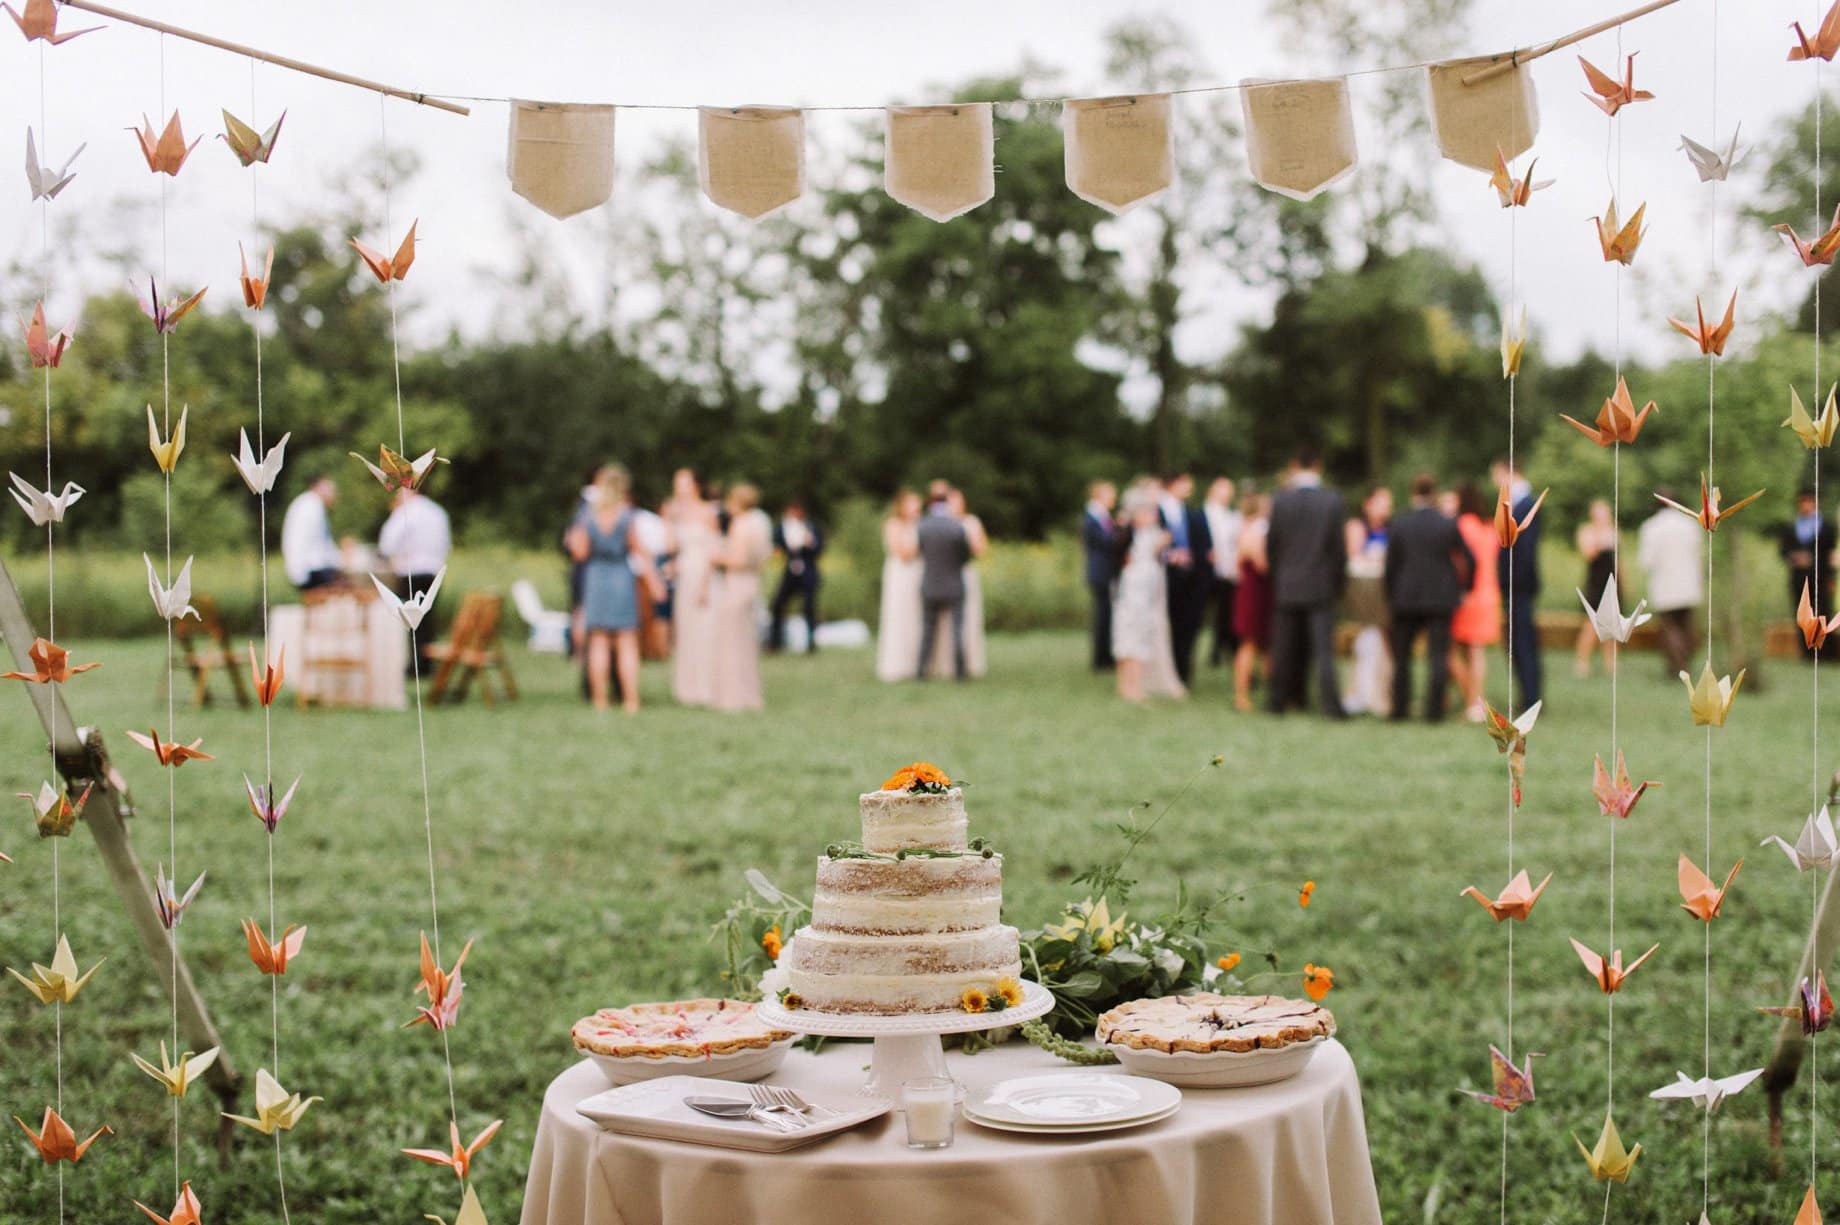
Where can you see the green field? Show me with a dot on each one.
(589, 855)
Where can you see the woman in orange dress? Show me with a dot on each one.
(1477, 623)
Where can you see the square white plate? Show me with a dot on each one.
(656, 1108)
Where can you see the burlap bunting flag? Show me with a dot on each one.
(1472, 121)
(560, 155)
(940, 159)
(1119, 150)
(1299, 134)
(751, 159)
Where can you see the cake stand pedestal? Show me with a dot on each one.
(907, 1046)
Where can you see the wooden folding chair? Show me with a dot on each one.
(204, 645)
(472, 650)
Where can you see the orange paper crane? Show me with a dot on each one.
(55, 1141)
(460, 1159)
(1823, 46)
(272, 956)
(1810, 1211)
(1515, 902)
(1610, 974)
(50, 662)
(1615, 796)
(186, 1210)
(43, 348)
(1711, 340)
(1819, 251)
(1513, 192)
(1619, 242)
(39, 20)
(1608, 94)
(1710, 514)
(165, 153)
(170, 753)
(443, 988)
(1617, 421)
(1814, 627)
(395, 267)
(268, 678)
(255, 288)
(1700, 897)
(1508, 529)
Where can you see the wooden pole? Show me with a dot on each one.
(1786, 1059)
(280, 61)
(1508, 61)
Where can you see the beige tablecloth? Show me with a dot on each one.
(1293, 1153)
(368, 631)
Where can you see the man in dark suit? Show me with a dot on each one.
(798, 539)
(1807, 545)
(1428, 569)
(1308, 555)
(1099, 535)
(1518, 573)
(944, 551)
(1189, 564)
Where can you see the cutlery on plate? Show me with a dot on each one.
(725, 1108)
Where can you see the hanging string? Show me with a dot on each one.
(1513, 378)
(1712, 259)
(1814, 877)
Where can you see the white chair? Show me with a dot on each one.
(549, 628)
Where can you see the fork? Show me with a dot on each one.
(770, 1102)
(792, 1101)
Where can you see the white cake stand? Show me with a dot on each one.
(907, 1046)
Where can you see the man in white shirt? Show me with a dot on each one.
(416, 541)
(1224, 524)
(1672, 549)
(309, 554)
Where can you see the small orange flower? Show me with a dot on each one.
(1303, 894)
(772, 942)
(974, 1000)
(920, 776)
(1010, 990)
(1317, 981)
(1228, 962)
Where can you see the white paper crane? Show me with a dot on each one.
(413, 610)
(259, 476)
(173, 603)
(1710, 163)
(1608, 619)
(1815, 846)
(47, 183)
(1708, 1091)
(41, 505)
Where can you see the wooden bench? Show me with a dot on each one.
(472, 650)
(204, 646)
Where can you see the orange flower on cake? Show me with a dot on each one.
(1318, 981)
(920, 776)
(1228, 963)
(772, 942)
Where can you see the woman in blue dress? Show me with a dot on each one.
(612, 561)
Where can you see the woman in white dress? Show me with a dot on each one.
(897, 639)
(977, 658)
(692, 521)
(1140, 608)
(736, 683)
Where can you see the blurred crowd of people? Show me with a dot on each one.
(932, 608)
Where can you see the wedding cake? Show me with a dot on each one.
(907, 920)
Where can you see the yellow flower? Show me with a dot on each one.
(772, 942)
(1303, 894)
(1228, 962)
(1010, 990)
(1086, 917)
(974, 1000)
(791, 1001)
(1317, 981)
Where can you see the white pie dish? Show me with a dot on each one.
(1218, 1069)
(753, 1063)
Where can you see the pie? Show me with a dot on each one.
(1204, 1023)
(693, 1029)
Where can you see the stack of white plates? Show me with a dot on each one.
(1068, 1103)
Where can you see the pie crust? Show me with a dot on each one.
(1205, 1022)
(687, 1029)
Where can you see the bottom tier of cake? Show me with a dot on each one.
(890, 975)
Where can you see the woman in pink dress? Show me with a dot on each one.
(736, 636)
(1477, 623)
(692, 521)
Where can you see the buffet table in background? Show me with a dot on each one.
(345, 651)
(1290, 1153)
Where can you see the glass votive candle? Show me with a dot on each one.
(930, 1104)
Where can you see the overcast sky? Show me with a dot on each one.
(831, 52)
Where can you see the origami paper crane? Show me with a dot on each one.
(1619, 242)
(166, 316)
(272, 956)
(1507, 528)
(460, 1158)
(1608, 94)
(1815, 432)
(1510, 737)
(54, 1139)
(1617, 421)
(1608, 619)
(45, 182)
(177, 1077)
(41, 505)
(472, 1214)
(1615, 796)
(172, 603)
(1814, 1007)
(1513, 1086)
(1819, 251)
(443, 988)
(165, 153)
(1608, 1160)
(166, 454)
(171, 903)
(1610, 974)
(1815, 847)
(262, 802)
(1700, 897)
(1513, 345)
(58, 982)
(1711, 341)
(43, 348)
(394, 268)
(1515, 902)
(170, 753)
(50, 663)
(249, 145)
(395, 472)
(52, 810)
(414, 609)
(268, 677)
(276, 1108)
(1710, 514)
(260, 476)
(1711, 696)
(1815, 629)
(39, 20)
(186, 1209)
(1810, 1211)
(255, 288)
(1708, 1092)
(1709, 163)
(1513, 192)
(1823, 46)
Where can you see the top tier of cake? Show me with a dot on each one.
(913, 820)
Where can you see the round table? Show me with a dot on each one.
(1291, 1153)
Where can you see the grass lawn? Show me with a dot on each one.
(589, 855)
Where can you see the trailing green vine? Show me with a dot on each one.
(1068, 1049)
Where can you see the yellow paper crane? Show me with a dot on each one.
(1815, 432)
(1513, 345)
(1619, 242)
(276, 1108)
(249, 145)
(167, 453)
(58, 981)
(1710, 698)
(1609, 1161)
(470, 1211)
(177, 1077)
